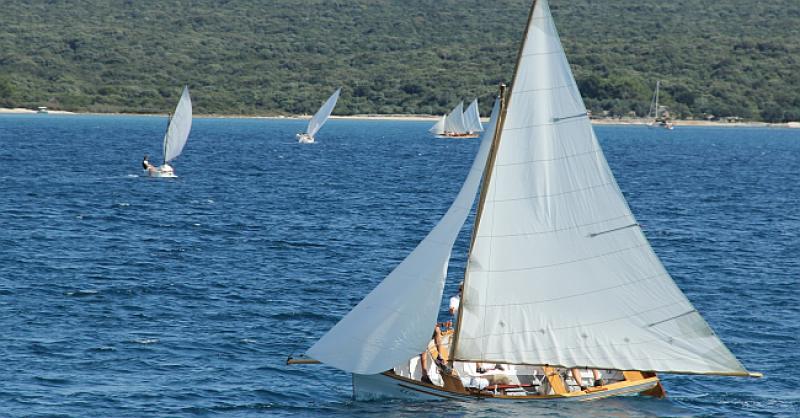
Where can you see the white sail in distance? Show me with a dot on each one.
(395, 321)
(472, 118)
(323, 114)
(560, 272)
(179, 127)
(438, 128)
(454, 122)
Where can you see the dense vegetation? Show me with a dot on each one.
(731, 58)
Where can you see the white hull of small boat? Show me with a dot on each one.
(305, 139)
(165, 171)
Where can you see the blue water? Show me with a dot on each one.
(126, 296)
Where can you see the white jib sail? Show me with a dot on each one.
(560, 272)
(454, 122)
(472, 118)
(394, 322)
(438, 128)
(179, 127)
(323, 114)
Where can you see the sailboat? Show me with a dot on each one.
(457, 123)
(180, 123)
(438, 128)
(472, 119)
(658, 113)
(319, 119)
(560, 283)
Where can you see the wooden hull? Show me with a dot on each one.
(390, 386)
(465, 136)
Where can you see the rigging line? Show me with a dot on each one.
(595, 234)
(672, 318)
(579, 115)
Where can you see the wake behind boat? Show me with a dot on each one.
(319, 119)
(178, 128)
(563, 297)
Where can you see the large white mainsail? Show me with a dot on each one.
(394, 322)
(179, 127)
(472, 118)
(560, 272)
(323, 114)
(438, 128)
(454, 122)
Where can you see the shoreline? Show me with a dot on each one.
(416, 118)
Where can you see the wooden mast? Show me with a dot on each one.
(505, 97)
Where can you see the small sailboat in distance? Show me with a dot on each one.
(563, 297)
(319, 119)
(459, 123)
(178, 127)
(659, 114)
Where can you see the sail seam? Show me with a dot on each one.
(544, 89)
(583, 189)
(578, 260)
(539, 125)
(552, 347)
(559, 229)
(590, 324)
(545, 160)
(538, 54)
(601, 290)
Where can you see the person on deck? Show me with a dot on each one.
(576, 374)
(150, 168)
(437, 337)
(455, 301)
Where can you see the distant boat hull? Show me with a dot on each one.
(464, 136)
(305, 138)
(663, 125)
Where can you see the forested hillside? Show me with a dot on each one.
(727, 58)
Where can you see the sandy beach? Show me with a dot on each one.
(424, 118)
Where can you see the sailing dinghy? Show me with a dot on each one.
(559, 278)
(319, 119)
(175, 138)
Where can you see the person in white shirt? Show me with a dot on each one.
(455, 301)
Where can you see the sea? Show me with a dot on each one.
(127, 296)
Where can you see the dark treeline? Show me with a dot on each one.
(731, 58)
